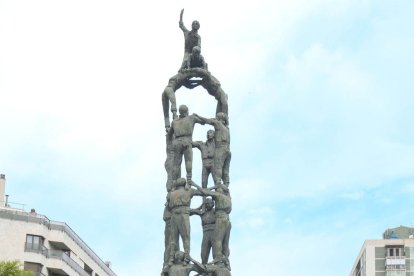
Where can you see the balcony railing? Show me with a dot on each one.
(56, 225)
(57, 254)
(395, 260)
(395, 263)
(36, 248)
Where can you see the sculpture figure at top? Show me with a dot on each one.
(192, 38)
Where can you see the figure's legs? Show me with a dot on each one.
(174, 236)
(226, 248)
(206, 246)
(168, 96)
(178, 157)
(219, 158)
(226, 170)
(219, 233)
(169, 168)
(188, 159)
(183, 227)
(171, 96)
(204, 176)
(167, 241)
(165, 106)
(184, 230)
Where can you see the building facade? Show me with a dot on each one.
(391, 256)
(44, 246)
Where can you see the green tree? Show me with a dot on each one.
(13, 268)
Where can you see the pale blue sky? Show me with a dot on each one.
(321, 110)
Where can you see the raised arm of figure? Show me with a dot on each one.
(181, 23)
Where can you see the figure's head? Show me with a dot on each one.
(183, 109)
(179, 256)
(195, 25)
(210, 134)
(196, 50)
(209, 203)
(180, 182)
(222, 117)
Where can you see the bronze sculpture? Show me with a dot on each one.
(215, 152)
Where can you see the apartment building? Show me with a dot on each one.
(391, 256)
(44, 246)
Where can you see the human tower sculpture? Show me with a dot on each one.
(215, 152)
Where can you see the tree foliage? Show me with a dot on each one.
(13, 268)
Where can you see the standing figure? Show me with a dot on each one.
(207, 154)
(169, 162)
(208, 220)
(182, 129)
(222, 199)
(192, 38)
(222, 154)
(179, 205)
(167, 236)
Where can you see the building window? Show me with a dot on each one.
(87, 268)
(35, 267)
(34, 242)
(395, 252)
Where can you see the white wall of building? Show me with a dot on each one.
(13, 237)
